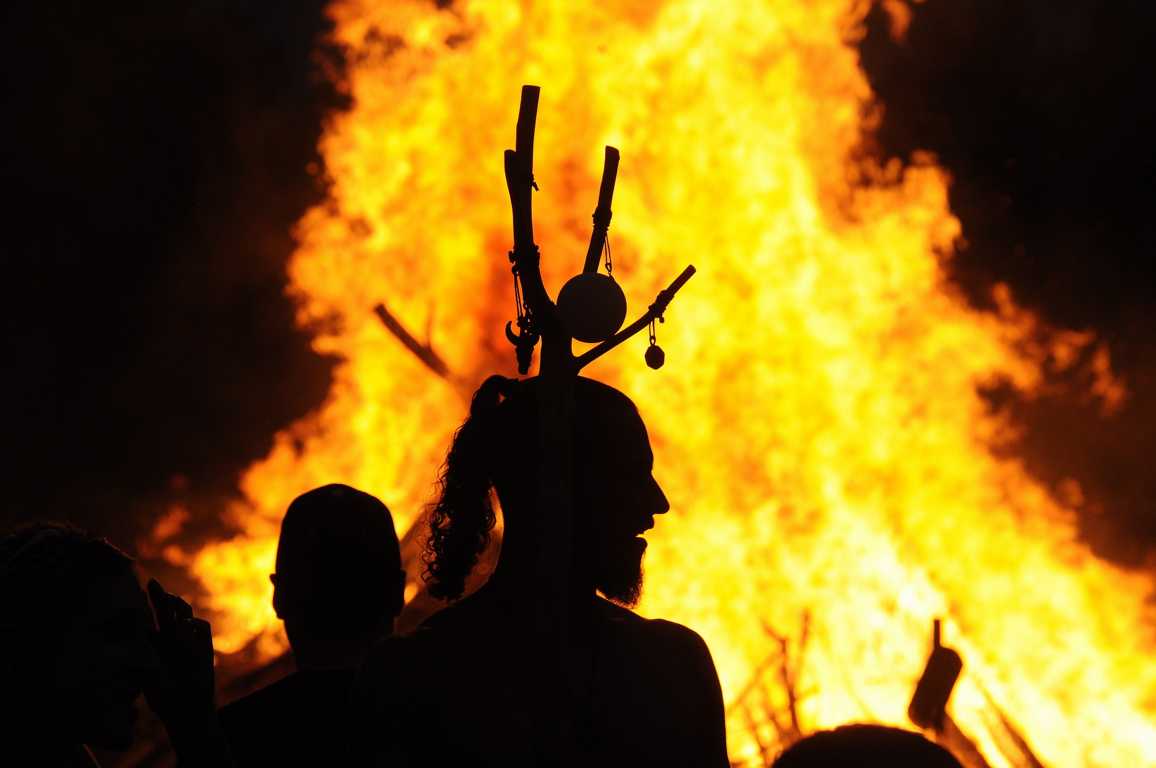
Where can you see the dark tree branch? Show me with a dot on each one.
(788, 671)
(422, 352)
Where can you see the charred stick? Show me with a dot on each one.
(959, 744)
(765, 755)
(422, 352)
(520, 171)
(602, 212)
(525, 254)
(753, 682)
(928, 705)
(655, 311)
(524, 133)
(1013, 740)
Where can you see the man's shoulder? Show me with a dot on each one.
(259, 705)
(473, 623)
(665, 655)
(656, 630)
(480, 607)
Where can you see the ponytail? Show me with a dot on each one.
(463, 517)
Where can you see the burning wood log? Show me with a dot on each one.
(1012, 742)
(789, 665)
(928, 708)
(423, 352)
(754, 700)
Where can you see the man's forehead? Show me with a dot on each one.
(625, 443)
(608, 427)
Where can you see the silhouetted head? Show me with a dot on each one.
(339, 583)
(866, 746)
(75, 635)
(615, 495)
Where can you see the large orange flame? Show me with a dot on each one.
(817, 426)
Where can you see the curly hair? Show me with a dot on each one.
(463, 517)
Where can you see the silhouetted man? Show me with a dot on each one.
(338, 588)
(78, 646)
(480, 683)
(865, 746)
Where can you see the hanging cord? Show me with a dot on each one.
(606, 253)
(527, 336)
(654, 356)
(521, 311)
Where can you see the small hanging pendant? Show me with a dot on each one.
(655, 357)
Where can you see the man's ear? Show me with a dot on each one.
(278, 596)
(397, 595)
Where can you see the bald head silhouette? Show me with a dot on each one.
(865, 745)
(338, 584)
(338, 587)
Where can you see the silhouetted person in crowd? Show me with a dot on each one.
(479, 684)
(338, 588)
(78, 646)
(865, 746)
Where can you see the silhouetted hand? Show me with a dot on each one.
(182, 695)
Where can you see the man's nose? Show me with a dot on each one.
(661, 503)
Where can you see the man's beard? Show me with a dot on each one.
(620, 577)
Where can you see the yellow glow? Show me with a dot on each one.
(817, 425)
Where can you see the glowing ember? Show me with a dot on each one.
(817, 425)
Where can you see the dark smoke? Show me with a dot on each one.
(154, 163)
(1041, 111)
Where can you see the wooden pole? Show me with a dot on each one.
(602, 212)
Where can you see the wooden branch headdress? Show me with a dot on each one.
(591, 307)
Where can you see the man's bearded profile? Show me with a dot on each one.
(615, 494)
(466, 686)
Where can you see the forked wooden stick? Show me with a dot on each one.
(556, 342)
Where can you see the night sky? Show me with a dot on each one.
(155, 161)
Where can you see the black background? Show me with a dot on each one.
(155, 160)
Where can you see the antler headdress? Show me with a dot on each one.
(590, 306)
